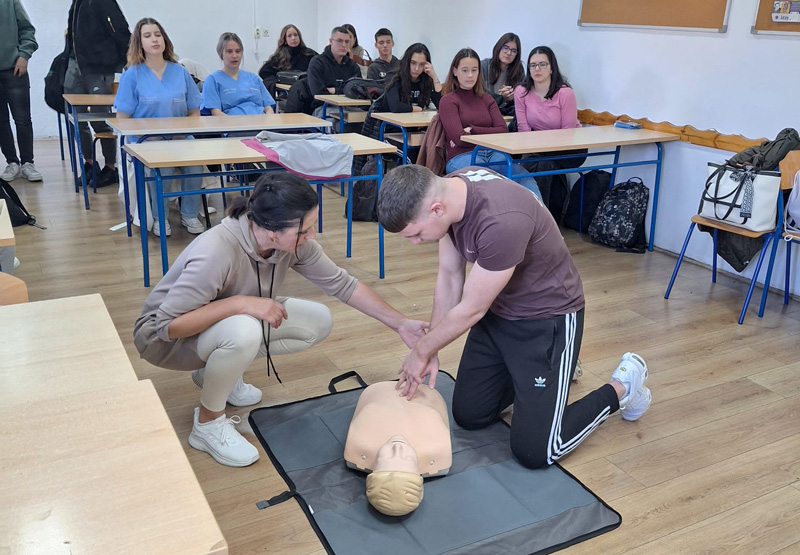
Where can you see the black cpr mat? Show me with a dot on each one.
(488, 503)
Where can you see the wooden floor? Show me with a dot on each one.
(714, 466)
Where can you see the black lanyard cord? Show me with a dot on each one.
(265, 335)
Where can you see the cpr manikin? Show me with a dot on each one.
(399, 442)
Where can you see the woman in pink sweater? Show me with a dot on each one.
(545, 101)
(466, 109)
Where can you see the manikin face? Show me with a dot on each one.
(287, 239)
(417, 65)
(152, 40)
(384, 44)
(396, 455)
(340, 44)
(540, 74)
(232, 55)
(508, 52)
(292, 37)
(467, 73)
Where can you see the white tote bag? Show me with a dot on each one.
(791, 219)
(742, 197)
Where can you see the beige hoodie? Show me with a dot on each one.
(221, 263)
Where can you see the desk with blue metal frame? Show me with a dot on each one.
(557, 140)
(157, 155)
(341, 101)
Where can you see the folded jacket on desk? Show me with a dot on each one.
(312, 155)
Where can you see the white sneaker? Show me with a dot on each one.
(243, 394)
(157, 229)
(220, 439)
(11, 172)
(632, 373)
(192, 225)
(30, 172)
(211, 210)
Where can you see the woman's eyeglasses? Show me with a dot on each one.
(540, 65)
(513, 51)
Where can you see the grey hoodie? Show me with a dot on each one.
(222, 263)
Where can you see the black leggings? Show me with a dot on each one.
(529, 363)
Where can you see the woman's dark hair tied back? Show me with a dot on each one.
(278, 201)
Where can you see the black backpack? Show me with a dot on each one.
(619, 220)
(365, 195)
(363, 89)
(595, 185)
(16, 210)
(300, 99)
(54, 82)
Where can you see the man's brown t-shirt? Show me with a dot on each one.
(506, 225)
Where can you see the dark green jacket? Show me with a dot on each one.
(16, 34)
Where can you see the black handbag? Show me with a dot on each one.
(291, 77)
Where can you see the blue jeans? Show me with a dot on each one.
(15, 95)
(190, 204)
(488, 156)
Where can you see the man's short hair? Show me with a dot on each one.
(339, 29)
(382, 32)
(402, 192)
(394, 493)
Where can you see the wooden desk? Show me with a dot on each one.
(559, 140)
(71, 117)
(157, 155)
(282, 86)
(100, 473)
(341, 101)
(59, 347)
(404, 121)
(7, 241)
(140, 129)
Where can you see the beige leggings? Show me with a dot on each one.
(231, 345)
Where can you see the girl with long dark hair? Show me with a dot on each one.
(415, 85)
(291, 54)
(503, 71)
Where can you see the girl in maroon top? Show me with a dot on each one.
(466, 109)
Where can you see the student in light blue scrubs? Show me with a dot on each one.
(232, 91)
(155, 86)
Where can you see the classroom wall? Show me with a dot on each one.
(734, 82)
(193, 27)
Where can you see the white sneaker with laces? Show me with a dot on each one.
(11, 172)
(243, 394)
(157, 229)
(192, 225)
(220, 439)
(30, 172)
(632, 373)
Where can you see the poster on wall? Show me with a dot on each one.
(786, 12)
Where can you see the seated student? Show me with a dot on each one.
(291, 54)
(327, 72)
(155, 86)
(466, 109)
(503, 71)
(357, 52)
(545, 101)
(220, 305)
(398, 441)
(415, 84)
(386, 62)
(232, 91)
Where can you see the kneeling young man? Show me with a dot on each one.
(522, 303)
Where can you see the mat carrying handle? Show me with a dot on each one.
(346, 376)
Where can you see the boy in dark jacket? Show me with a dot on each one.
(327, 72)
(97, 42)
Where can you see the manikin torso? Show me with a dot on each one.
(381, 414)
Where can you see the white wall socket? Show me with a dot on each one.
(257, 32)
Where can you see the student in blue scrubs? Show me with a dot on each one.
(232, 91)
(155, 86)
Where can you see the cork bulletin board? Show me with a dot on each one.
(691, 15)
(764, 23)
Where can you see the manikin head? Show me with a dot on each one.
(394, 487)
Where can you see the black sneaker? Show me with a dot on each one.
(108, 176)
(87, 171)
